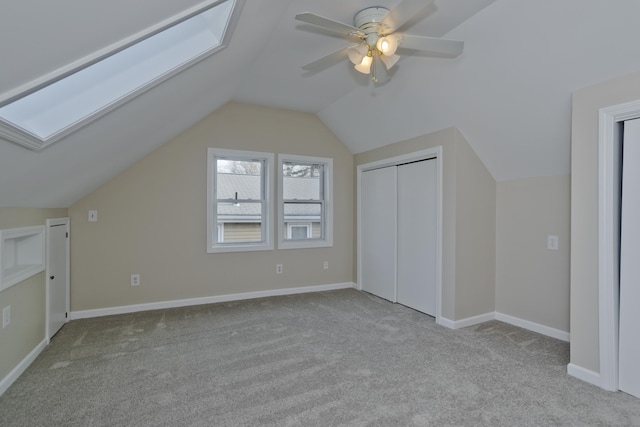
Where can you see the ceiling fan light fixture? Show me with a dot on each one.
(375, 27)
(389, 61)
(357, 53)
(387, 45)
(365, 65)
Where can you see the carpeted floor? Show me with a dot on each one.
(331, 358)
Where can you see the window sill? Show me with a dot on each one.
(292, 244)
(239, 248)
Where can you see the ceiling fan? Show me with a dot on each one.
(376, 39)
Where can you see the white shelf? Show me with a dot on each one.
(21, 254)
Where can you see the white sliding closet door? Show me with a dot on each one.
(629, 344)
(417, 235)
(378, 232)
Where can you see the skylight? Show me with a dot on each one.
(68, 103)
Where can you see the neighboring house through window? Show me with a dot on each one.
(305, 211)
(238, 205)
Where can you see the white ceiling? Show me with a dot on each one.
(509, 93)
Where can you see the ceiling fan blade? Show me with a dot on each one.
(329, 60)
(399, 15)
(330, 24)
(432, 44)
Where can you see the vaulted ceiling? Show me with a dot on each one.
(509, 92)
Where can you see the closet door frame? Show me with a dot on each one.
(609, 174)
(431, 153)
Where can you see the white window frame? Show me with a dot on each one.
(213, 246)
(327, 232)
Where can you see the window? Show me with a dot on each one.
(238, 201)
(305, 212)
(47, 109)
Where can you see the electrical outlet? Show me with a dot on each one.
(278, 268)
(552, 243)
(93, 216)
(6, 316)
(326, 265)
(135, 280)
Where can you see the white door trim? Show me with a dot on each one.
(430, 153)
(608, 255)
(50, 223)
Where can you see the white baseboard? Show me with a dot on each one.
(12, 376)
(447, 323)
(108, 311)
(583, 374)
(525, 324)
(532, 326)
(469, 321)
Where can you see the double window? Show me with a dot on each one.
(239, 202)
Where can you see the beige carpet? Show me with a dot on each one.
(331, 358)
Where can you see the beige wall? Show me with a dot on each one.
(27, 298)
(475, 233)
(584, 212)
(532, 282)
(152, 218)
(468, 276)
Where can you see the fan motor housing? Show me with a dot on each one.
(368, 20)
(370, 17)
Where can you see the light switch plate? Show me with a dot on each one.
(93, 216)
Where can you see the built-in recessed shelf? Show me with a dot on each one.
(21, 254)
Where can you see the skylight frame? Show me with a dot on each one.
(15, 133)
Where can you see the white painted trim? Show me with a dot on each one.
(447, 323)
(607, 259)
(26, 259)
(327, 201)
(439, 225)
(469, 321)
(532, 326)
(267, 243)
(516, 321)
(430, 153)
(583, 374)
(12, 376)
(98, 312)
(49, 223)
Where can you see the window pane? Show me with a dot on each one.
(302, 181)
(239, 179)
(308, 213)
(311, 211)
(299, 232)
(241, 232)
(242, 221)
